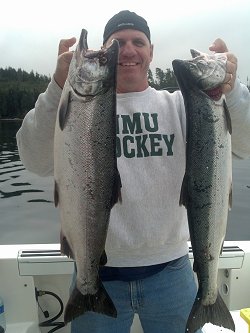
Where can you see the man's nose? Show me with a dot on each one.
(128, 49)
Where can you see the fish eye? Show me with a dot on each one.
(103, 60)
(192, 65)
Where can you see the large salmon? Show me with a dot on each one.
(87, 182)
(207, 184)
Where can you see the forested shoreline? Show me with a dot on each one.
(19, 89)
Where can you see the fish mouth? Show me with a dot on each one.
(182, 72)
(103, 56)
(214, 93)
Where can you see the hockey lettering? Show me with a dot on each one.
(134, 143)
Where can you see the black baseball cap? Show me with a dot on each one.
(125, 20)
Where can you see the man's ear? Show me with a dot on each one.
(151, 51)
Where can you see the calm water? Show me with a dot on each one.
(28, 215)
(27, 212)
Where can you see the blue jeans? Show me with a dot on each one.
(162, 301)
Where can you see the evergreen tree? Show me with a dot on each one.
(19, 91)
(163, 80)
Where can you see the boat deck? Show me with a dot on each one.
(25, 268)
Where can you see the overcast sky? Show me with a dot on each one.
(30, 30)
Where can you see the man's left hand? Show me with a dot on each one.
(219, 46)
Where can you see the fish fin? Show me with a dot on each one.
(195, 267)
(65, 247)
(78, 304)
(217, 314)
(103, 259)
(116, 194)
(56, 194)
(64, 109)
(228, 117)
(221, 249)
(230, 199)
(183, 195)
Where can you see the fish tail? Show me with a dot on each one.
(217, 314)
(78, 304)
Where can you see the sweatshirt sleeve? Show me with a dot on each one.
(35, 138)
(238, 102)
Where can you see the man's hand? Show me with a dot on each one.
(63, 61)
(219, 46)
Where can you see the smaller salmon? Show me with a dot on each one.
(207, 184)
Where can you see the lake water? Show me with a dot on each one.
(28, 215)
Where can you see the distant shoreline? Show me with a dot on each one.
(11, 119)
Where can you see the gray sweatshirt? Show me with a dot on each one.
(149, 227)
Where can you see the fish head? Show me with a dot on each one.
(204, 72)
(91, 72)
(208, 70)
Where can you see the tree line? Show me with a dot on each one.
(162, 79)
(19, 91)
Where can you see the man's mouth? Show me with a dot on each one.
(128, 64)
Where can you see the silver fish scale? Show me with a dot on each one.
(206, 188)
(209, 180)
(86, 183)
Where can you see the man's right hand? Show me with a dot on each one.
(63, 61)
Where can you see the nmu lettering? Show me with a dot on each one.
(139, 137)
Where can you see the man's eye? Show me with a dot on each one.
(121, 43)
(139, 42)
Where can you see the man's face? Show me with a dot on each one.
(135, 56)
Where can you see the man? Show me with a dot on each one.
(148, 270)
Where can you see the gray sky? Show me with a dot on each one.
(30, 30)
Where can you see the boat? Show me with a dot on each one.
(35, 281)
